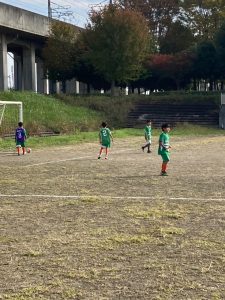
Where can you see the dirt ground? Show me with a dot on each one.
(74, 227)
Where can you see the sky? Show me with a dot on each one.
(78, 8)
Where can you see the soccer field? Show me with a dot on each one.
(74, 227)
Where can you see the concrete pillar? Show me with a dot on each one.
(3, 63)
(77, 87)
(52, 87)
(46, 86)
(18, 74)
(29, 68)
(71, 86)
(222, 117)
(58, 89)
(41, 88)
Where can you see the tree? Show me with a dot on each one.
(178, 38)
(60, 51)
(159, 13)
(116, 42)
(170, 72)
(204, 17)
(205, 64)
(220, 47)
(85, 72)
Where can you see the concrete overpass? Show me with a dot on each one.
(23, 33)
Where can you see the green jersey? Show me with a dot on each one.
(105, 137)
(148, 131)
(164, 141)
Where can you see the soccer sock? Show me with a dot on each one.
(164, 166)
(106, 151)
(18, 150)
(100, 152)
(23, 150)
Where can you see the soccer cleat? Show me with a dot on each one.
(163, 173)
(106, 157)
(99, 157)
(143, 149)
(149, 151)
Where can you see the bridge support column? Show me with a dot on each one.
(77, 88)
(29, 68)
(40, 78)
(3, 63)
(18, 74)
(58, 88)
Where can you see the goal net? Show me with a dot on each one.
(11, 112)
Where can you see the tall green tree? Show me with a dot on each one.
(220, 47)
(60, 51)
(206, 62)
(178, 38)
(204, 17)
(116, 42)
(159, 13)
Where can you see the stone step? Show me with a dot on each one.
(174, 114)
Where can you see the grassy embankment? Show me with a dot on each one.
(78, 118)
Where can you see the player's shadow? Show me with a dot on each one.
(8, 154)
(137, 176)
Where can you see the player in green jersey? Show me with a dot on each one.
(148, 136)
(164, 147)
(105, 138)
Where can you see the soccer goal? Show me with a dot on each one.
(11, 112)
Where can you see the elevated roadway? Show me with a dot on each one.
(24, 34)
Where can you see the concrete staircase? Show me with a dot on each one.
(199, 114)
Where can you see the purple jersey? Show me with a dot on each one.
(20, 134)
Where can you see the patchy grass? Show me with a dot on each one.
(157, 212)
(121, 231)
(84, 137)
(171, 230)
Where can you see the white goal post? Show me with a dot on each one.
(3, 105)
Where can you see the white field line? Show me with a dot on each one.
(106, 196)
(73, 158)
(56, 161)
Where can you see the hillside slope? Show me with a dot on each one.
(46, 113)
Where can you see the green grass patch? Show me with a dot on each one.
(184, 97)
(77, 114)
(173, 97)
(195, 130)
(92, 136)
(153, 213)
(114, 109)
(165, 231)
(48, 113)
(27, 293)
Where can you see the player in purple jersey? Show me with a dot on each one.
(20, 137)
